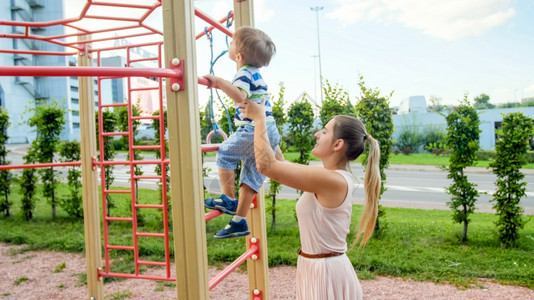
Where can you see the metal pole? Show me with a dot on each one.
(316, 9)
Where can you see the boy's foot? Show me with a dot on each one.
(233, 229)
(224, 204)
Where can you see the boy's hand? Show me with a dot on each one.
(212, 79)
(252, 110)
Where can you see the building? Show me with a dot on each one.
(412, 104)
(490, 121)
(18, 94)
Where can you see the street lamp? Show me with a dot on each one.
(316, 9)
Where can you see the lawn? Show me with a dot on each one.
(418, 244)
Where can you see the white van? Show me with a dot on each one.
(413, 104)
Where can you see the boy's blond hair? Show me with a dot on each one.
(255, 46)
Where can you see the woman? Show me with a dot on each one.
(324, 210)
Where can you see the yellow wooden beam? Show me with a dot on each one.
(189, 227)
(91, 211)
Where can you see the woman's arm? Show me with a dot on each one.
(237, 94)
(316, 180)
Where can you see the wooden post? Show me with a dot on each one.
(189, 226)
(257, 270)
(91, 211)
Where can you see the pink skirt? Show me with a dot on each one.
(327, 278)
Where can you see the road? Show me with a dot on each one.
(407, 186)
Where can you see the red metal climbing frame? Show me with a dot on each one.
(96, 36)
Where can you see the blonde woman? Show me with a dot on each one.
(324, 210)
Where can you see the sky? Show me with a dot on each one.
(434, 48)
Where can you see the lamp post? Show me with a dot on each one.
(316, 9)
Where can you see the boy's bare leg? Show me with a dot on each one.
(227, 181)
(246, 194)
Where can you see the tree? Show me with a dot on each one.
(48, 120)
(300, 118)
(5, 175)
(70, 151)
(275, 186)
(28, 185)
(109, 124)
(511, 149)
(435, 104)
(463, 141)
(373, 110)
(336, 102)
(482, 102)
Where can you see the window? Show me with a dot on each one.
(75, 100)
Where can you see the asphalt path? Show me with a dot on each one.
(410, 186)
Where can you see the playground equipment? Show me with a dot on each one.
(177, 44)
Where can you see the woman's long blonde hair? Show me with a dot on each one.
(352, 131)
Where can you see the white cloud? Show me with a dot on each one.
(448, 20)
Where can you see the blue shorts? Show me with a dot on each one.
(240, 147)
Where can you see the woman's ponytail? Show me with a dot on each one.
(372, 186)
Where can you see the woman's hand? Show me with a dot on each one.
(252, 110)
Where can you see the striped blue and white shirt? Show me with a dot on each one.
(249, 80)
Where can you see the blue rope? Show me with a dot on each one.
(212, 63)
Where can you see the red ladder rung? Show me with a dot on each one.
(114, 133)
(152, 263)
(150, 88)
(212, 214)
(114, 105)
(119, 219)
(150, 234)
(147, 177)
(145, 118)
(118, 191)
(209, 147)
(144, 59)
(159, 206)
(146, 147)
(119, 247)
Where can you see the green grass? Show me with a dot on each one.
(417, 244)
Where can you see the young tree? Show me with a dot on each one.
(28, 185)
(511, 148)
(5, 175)
(463, 141)
(48, 120)
(373, 110)
(279, 117)
(335, 103)
(300, 119)
(109, 122)
(70, 151)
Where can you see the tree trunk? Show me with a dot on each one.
(464, 234)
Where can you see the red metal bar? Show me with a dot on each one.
(117, 191)
(209, 147)
(37, 52)
(145, 118)
(150, 234)
(213, 23)
(118, 247)
(40, 71)
(118, 219)
(114, 133)
(203, 81)
(159, 206)
(222, 20)
(43, 165)
(149, 88)
(146, 147)
(147, 177)
(231, 267)
(137, 162)
(144, 59)
(124, 5)
(140, 276)
(212, 214)
(115, 105)
(152, 263)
